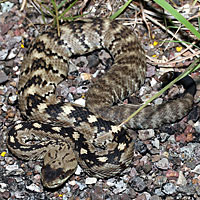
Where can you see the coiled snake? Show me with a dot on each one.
(64, 134)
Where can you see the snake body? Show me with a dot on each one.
(65, 134)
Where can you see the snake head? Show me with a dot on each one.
(59, 164)
(53, 178)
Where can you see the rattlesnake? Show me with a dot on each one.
(65, 134)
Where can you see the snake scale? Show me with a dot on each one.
(64, 134)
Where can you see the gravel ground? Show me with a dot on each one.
(167, 161)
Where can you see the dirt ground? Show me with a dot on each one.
(167, 160)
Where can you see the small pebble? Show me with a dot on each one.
(12, 53)
(93, 61)
(158, 101)
(156, 143)
(13, 83)
(6, 194)
(147, 168)
(155, 158)
(82, 186)
(37, 168)
(73, 182)
(197, 126)
(33, 187)
(169, 188)
(37, 178)
(120, 187)
(159, 192)
(80, 101)
(164, 137)
(85, 76)
(187, 189)
(3, 187)
(160, 180)
(78, 170)
(155, 197)
(12, 167)
(171, 174)
(110, 182)
(90, 180)
(19, 195)
(187, 152)
(163, 164)
(4, 108)
(12, 99)
(16, 68)
(6, 6)
(9, 160)
(3, 77)
(196, 169)
(181, 179)
(81, 89)
(146, 134)
(153, 82)
(140, 147)
(3, 54)
(137, 184)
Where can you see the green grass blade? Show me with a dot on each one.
(194, 66)
(62, 4)
(176, 41)
(116, 14)
(67, 9)
(73, 17)
(178, 16)
(51, 11)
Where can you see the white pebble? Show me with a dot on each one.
(80, 102)
(3, 187)
(15, 68)
(6, 7)
(73, 182)
(12, 53)
(78, 170)
(90, 180)
(33, 187)
(196, 169)
(158, 101)
(146, 134)
(120, 187)
(156, 143)
(19, 195)
(181, 179)
(4, 108)
(197, 126)
(111, 182)
(13, 98)
(38, 168)
(95, 74)
(3, 54)
(12, 167)
(153, 82)
(163, 163)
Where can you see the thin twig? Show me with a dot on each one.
(144, 19)
(24, 2)
(159, 62)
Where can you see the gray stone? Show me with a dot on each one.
(3, 77)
